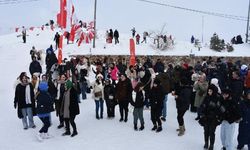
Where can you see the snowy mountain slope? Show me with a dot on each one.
(93, 134)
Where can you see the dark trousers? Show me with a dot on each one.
(70, 120)
(24, 39)
(123, 107)
(155, 116)
(116, 40)
(46, 124)
(83, 86)
(146, 101)
(180, 114)
(209, 133)
(110, 108)
(193, 108)
(57, 44)
(58, 104)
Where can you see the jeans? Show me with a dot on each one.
(99, 104)
(138, 114)
(164, 110)
(83, 86)
(46, 124)
(227, 134)
(27, 112)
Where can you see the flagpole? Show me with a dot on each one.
(248, 17)
(94, 24)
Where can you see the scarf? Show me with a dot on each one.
(58, 88)
(65, 106)
(27, 94)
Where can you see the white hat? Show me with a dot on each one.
(99, 75)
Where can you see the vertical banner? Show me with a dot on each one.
(132, 52)
(60, 50)
(63, 15)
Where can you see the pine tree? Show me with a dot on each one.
(216, 43)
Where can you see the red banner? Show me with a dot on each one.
(132, 52)
(60, 50)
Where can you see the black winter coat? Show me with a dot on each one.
(124, 90)
(73, 106)
(244, 126)
(139, 100)
(230, 110)
(237, 87)
(35, 67)
(210, 110)
(156, 97)
(44, 103)
(109, 90)
(183, 99)
(20, 99)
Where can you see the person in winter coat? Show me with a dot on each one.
(182, 98)
(159, 66)
(138, 106)
(167, 86)
(247, 81)
(200, 87)
(145, 34)
(50, 60)
(236, 86)
(137, 39)
(109, 97)
(146, 78)
(116, 36)
(60, 85)
(24, 102)
(132, 75)
(35, 67)
(124, 96)
(57, 39)
(156, 100)
(113, 73)
(230, 115)
(244, 126)
(24, 34)
(111, 35)
(44, 108)
(70, 108)
(133, 32)
(215, 82)
(98, 95)
(210, 115)
(192, 39)
(33, 52)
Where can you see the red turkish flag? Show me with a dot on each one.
(60, 50)
(132, 52)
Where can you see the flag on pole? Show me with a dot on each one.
(132, 51)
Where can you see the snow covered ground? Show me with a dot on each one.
(93, 134)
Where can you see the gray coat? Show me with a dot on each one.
(201, 92)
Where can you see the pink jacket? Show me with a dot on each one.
(114, 73)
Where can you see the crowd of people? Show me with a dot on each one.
(217, 90)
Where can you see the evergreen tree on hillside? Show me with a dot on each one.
(216, 43)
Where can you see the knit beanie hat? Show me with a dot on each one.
(43, 86)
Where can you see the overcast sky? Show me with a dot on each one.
(125, 14)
